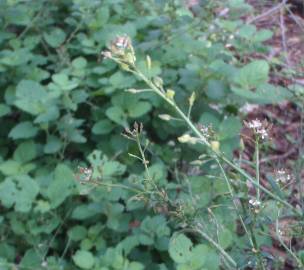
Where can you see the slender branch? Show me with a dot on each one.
(219, 154)
(199, 230)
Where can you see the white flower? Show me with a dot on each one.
(254, 203)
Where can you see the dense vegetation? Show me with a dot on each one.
(99, 169)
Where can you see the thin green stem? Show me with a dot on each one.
(199, 230)
(299, 262)
(234, 203)
(257, 167)
(220, 155)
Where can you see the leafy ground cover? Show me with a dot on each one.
(123, 143)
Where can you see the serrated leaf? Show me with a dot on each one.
(19, 190)
(253, 74)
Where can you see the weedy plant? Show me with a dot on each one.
(249, 209)
(71, 197)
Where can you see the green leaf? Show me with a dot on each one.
(215, 89)
(31, 260)
(77, 233)
(31, 97)
(79, 63)
(262, 35)
(4, 110)
(117, 115)
(198, 257)
(140, 109)
(253, 75)
(84, 259)
(63, 81)
(62, 185)
(229, 128)
(112, 167)
(10, 167)
(225, 238)
(55, 38)
(85, 211)
(103, 127)
(23, 130)
(180, 248)
(25, 152)
(19, 190)
(264, 94)
(53, 145)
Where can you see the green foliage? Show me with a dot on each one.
(63, 111)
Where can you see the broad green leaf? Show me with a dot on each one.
(63, 81)
(25, 152)
(55, 38)
(229, 128)
(253, 74)
(53, 145)
(112, 167)
(86, 211)
(215, 89)
(264, 94)
(31, 260)
(225, 238)
(19, 190)
(262, 35)
(11, 167)
(77, 233)
(62, 185)
(79, 63)
(139, 109)
(198, 256)
(180, 248)
(84, 259)
(23, 130)
(103, 127)
(31, 97)
(4, 110)
(212, 260)
(50, 113)
(117, 115)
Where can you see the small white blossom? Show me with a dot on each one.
(260, 128)
(254, 203)
(282, 176)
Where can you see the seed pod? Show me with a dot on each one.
(215, 145)
(149, 62)
(170, 94)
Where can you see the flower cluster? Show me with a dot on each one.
(261, 129)
(255, 205)
(282, 176)
(84, 174)
(121, 50)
